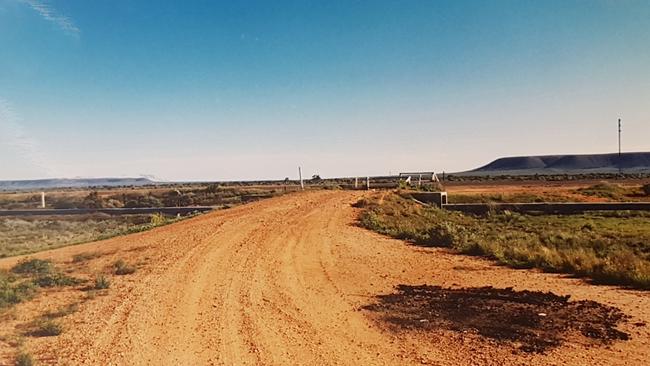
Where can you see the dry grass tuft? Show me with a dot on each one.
(122, 268)
(24, 359)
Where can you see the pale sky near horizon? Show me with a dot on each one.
(225, 90)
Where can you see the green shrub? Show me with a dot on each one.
(176, 198)
(102, 282)
(158, 219)
(13, 291)
(445, 234)
(24, 359)
(604, 190)
(65, 202)
(122, 268)
(646, 189)
(213, 188)
(45, 328)
(82, 257)
(431, 187)
(34, 267)
(55, 280)
(370, 220)
(360, 203)
(61, 312)
(138, 200)
(403, 184)
(93, 200)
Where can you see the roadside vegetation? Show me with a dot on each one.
(44, 328)
(86, 256)
(646, 189)
(132, 197)
(616, 192)
(26, 235)
(14, 290)
(121, 268)
(32, 278)
(29, 234)
(610, 248)
(603, 191)
(24, 359)
(23, 280)
(102, 282)
(519, 197)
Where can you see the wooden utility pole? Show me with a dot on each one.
(619, 146)
(619, 138)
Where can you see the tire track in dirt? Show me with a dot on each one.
(283, 281)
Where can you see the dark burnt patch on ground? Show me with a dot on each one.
(531, 321)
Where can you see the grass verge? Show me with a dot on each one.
(610, 248)
(611, 192)
(25, 235)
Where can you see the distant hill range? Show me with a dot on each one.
(14, 185)
(636, 162)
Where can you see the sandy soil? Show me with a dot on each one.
(288, 281)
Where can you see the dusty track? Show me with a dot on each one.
(283, 281)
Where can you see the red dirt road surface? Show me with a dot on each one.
(292, 280)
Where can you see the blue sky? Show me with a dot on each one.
(214, 90)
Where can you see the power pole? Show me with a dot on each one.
(619, 146)
(619, 138)
(302, 185)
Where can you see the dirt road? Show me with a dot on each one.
(285, 281)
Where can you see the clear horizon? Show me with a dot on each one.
(293, 177)
(214, 91)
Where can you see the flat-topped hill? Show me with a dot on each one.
(634, 162)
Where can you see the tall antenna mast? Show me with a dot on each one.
(619, 147)
(619, 139)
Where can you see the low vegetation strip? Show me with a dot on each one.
(107, 211)
(600, 192)
(24, 279)
(610, 248)
(549, 208)
(26, 235)
(177, 195)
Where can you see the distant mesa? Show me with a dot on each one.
(10, 185)
(634, 162)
